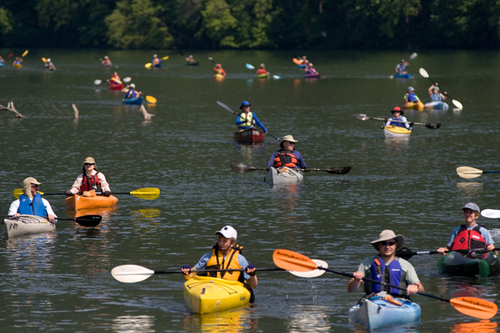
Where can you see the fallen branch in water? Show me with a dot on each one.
(10, 107)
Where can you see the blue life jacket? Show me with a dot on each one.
(398, 123)
(391, 274)
(412, 98)
(436, 98)
(35, 207)
(131, 94)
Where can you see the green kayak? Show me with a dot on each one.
(470, 264)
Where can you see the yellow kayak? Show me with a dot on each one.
(17, 66)
(419, 106)
(204, 294)
(396, 132)
(219, 76)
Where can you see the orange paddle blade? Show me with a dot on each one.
(293, 261)
(475, 307)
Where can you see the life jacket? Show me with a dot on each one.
(391, 274)
(412, 98)
(248, 118)
(217, 261)
(468, 239)
(401, 68)
(156, 61)
(35, 207)
(398, 123)
(436, 98)
(261, 71)
(285, 159)
(130, 94)
(90, 183)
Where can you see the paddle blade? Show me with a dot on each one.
(277, 77)
(165, 58)
(404, 253)
(127, 79)
(475, 307)
(151, 99)
(491, 213)
(24, 53)
(423, 72)
(19, 191)
(457, 104)
(148, 65)
(226, 107)
(249, 66)
(149, 193)
(89, 220)
(10, 55)
(293, 261)
(43, 59)
(339, 170)
(97, 82)
(131, 273)
(362, 116)
(314, 273)
(433, 125)
(469, 172)
(413, 56)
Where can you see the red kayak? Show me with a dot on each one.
(115, 86)
(249, 136)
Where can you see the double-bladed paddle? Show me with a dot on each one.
(149, 64)
(98, 82)
(406, 253)
(136, 273)
(470, 306)
(236, 113)
(242, 168)
(250, 66)
(424, 73)
(85, 221)
(468, 172)
(149, 193)
(363, 117)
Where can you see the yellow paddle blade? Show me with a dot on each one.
(475, 307)
(19, 191)
(165, 58)
(293, 261)
(43, 59)
(24, 53)
(151, 99)
(149, 193)
(468, 172)
(148, 65)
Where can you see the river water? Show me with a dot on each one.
(62, 281)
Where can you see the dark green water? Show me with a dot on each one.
(62, 281)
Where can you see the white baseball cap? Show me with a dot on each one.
(228, 232)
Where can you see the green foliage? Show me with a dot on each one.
(6, 21)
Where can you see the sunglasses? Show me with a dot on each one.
(33, 185)
(384, 243)
(88, 163)
(290, 143)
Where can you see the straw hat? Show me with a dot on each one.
(386, 235)
(288, 138)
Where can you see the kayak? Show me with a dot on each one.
(219, 76)
(297, 61)
(436, 106)
(27, 224)
(403, 76)
(263, 76)
(472, 264)
(84, 202)
(206, 294)
(250, 136)
(157, 65)
(192, 63)
(383, 310)
(17, 66)
(419, 106)
(277, 176)
(132, 101)
(312, 76)
(115, 86)
(396, 132)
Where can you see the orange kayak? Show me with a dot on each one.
(84, 202)
(419, 106)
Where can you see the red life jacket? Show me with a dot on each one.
(90, 183)
(285, 159)
(468, 239)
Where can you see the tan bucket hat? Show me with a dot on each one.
(388, 235)
(287, 138)
(31, 180)
(89, 160)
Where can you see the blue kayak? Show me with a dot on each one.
(383, 310)
(133, 101)
(403, 76)
(436, 106)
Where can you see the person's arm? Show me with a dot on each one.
(413, 283)
(430, 90)
(302, 163)
(490, 243)
(443, 97)
(447, 248)
(405, 122)
(258, 123)
(104, 183)
(14, 207)
(76, 185)
(249, 273)
(355, 282)
(202, 264)
(51, 216)
(240, 119)
(388, 123)
(271, 161)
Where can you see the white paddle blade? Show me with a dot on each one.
(361, 116)
(127, 79)
(97, 82)
(423, 72)
(491, 213)
(131, 273)
(413, 56)
(249, 66)
(469, 172)
(457, 104)
(313, 273)
(277, 77)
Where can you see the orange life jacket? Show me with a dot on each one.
(285, 159)
(217, 261)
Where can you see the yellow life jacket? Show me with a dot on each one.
(247, 118)
(217, 261)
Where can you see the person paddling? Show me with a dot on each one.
(219, 70)
(90, 180)
(17, 62)
(247, 119)
(130, 92)
(262, 70)
(398, 120)
(106, 62)
(190, 60)
(50, 65)
(469, 236)
(386, 267)
(435, 95)
(410, 95)
(31, 202)
(156, 62)
(115, 79)
(401, 68)
(287, 156)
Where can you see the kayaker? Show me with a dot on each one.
(130, 92)
(310, 69)
(106, 62)
(17, 62)
(401, 273)
(225, 255)
(49, 65)
(304, 60)
(156, 62)
(90, 180)
(31, 202)
(398, 119)
(410, 96)
(469, 235)
(247, 119)
(262, 70)
(401, 67)
(435, 95)
(2, 61)
(287, 155)
(219, 70)
(190, 60)
(115, 79)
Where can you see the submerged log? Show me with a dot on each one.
(10, 107)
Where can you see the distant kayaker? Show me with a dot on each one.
(2, 61)
(287, 155)
(31, 202)
(435, 95)
(401, 67)
(90, 180)
(387, 267)
(262, 70)
(303, 60)
(410, 96)
(156, 62)
(310, 69)
(398, 119)
(225, 254)
(106, 62)
(49, 65)
(115, 79)
(219, 70)
(190, 60)
(470, 235)
(130, 92)
(17, 62)
(247, 119)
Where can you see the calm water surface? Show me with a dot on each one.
(62, 281)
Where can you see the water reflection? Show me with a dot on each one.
(247, 153)
(470, 189)
(238, 320)
(483, 326)
(308, 319)
(133, 324)
(150, 213)
(31, 252)
(105, 212)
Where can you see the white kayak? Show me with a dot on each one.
(277, 176)
(436, 106)
(396, 132)
(27, 224)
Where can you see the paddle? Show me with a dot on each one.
(428, 125)
(491, 213)
(406, 253)
(424, 73)
(10, 55)
(24, 53)
(148, 193)
(85, 221)
(241, 168)
(468, 172)
(136, 273)
(43, 59)
(151, 99)
(470, 306)
(149, 64)
(236, 113)
(211, 59)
